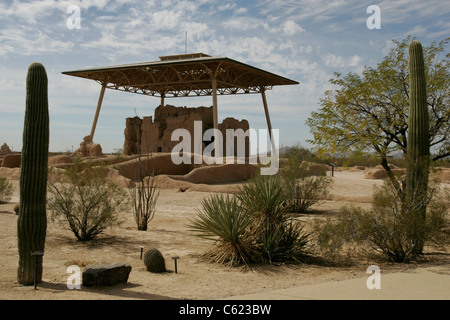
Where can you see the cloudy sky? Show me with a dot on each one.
(304, 40)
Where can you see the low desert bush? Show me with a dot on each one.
(144, 195)
(6, 190)
(84, 199)
(388, 228)
(302, 190)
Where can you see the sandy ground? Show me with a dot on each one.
(196, 279)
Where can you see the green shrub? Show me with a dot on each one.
(301, 190)
(306, 191)
(85, 199)
(389, 228)
(6, 190)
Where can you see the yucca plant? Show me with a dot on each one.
(279, 237)
(285, 241)
(253, 226)
(223, 220)
(265, 196)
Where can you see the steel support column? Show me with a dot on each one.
(97, 112)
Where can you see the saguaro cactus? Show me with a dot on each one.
(32, 220)
(418, 156)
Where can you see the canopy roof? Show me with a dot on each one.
(183, 76)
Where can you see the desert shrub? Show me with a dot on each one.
(84, 199)
(6, 190)
(298, 152)
(252, 226)
(301, 190)
(388, 228)
(306, 191)
(144, 195)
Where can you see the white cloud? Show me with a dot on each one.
(291, 28)
(243, 23)
(334, 61)
(25, 40)
(166, 20)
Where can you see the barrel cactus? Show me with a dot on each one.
(154, 261)
(32, 219)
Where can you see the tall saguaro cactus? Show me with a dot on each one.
(418, 141)
(32, 220)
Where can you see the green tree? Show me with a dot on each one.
(368, 112)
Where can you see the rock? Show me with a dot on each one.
(12, 161)
(106, 274)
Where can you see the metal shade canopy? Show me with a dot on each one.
(183, 76)
(186, 75)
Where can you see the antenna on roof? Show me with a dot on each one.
(185, 43)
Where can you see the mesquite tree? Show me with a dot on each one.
(369, 112)
(32, 220)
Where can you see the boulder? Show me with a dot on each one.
(106, 274)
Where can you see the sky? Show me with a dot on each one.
(303, 40)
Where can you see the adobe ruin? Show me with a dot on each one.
(150, 135)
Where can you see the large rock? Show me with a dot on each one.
(106, 274)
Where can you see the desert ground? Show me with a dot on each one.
(196, 278)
